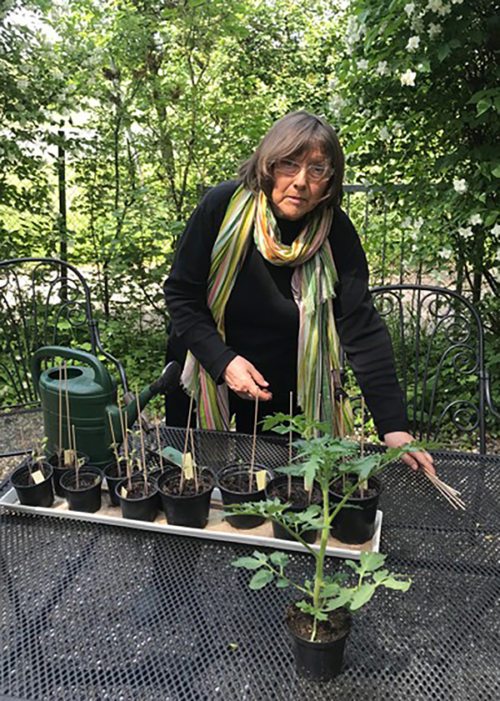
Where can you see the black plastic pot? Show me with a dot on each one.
(112, 478)
(356, 525)
(87, 495)
(186, 509)
(141, 508)
(29, 493)
(320, 661)
(231, 482)
(58, 472)
(278, 530)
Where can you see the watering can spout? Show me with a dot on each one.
(166, 383)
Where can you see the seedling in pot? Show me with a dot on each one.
(36, 461)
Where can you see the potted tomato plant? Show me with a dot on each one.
(320, 620)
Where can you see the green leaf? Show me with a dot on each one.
(371, 561)
(282, 583)
(362, 596)
(279, 559)
(483, 106)
(172, 454)
(260, 579)
(249, 563)
(496, 171)
(398, 584)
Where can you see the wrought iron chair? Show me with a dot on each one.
(43, 301)
(438, 340)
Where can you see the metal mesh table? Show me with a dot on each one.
(93, 612)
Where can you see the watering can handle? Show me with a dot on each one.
(102, 376)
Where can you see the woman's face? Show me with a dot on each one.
(294, 195)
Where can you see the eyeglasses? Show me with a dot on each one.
(315, 171)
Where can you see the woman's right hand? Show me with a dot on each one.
(245, 380)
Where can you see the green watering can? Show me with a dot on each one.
(89, 393)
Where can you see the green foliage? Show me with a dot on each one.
(320, 458)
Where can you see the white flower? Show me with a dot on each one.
(22, 83)
(362, 64)
(408, 77)
(409, 8)
(456, 2)
(384, 133)
(434, 30)
(445, 253)
(496, 232)
(476, 219)
(413, 43)
(466, 232)
(336, 103)
(460, 186)
(434, 5)
(382, 68)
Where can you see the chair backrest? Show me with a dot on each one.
(438, 342)
(43, 301)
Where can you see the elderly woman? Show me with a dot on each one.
(268, 278)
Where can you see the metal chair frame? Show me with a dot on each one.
(43, 301)
(448, 335)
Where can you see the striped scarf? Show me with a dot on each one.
(313, 283)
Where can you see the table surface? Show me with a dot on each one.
(91, 612)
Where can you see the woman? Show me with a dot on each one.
(268, 276)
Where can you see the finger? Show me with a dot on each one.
(410, 461)
(258, 377)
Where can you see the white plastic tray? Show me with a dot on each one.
(217, 528)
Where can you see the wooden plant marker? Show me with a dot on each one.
(158, 442)
(59, 417)
(254, 445)
(363, 485)
(75, 459)
(114, 444)
(195, 465)
(68, 417)
(187, 465)
(143, 450)
(261, 479)
(124, 429)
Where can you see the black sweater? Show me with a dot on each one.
(261, 319)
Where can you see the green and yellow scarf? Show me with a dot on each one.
(313, 284)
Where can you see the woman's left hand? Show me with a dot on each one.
(418, 459)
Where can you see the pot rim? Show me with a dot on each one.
(24, 468)
(318, 643)
(379, 488)
(85, 469)
(151, 483)
(170, 470)
(220, 475)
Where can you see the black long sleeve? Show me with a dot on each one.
(261, 317)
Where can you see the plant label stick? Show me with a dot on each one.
(37, 476)
(187, 466)
(261, 478)
(68, 420)
(186, 438)
(195, 467)
(254, 443)
(143, 451)
(59, 418)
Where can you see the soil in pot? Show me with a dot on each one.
(234, 483)
(33, 484)
(321, 659)
(59, 468)
(138, 500)
(191, 507)
(299, 499)
(83, 494)
(355, 525)
(114, 475)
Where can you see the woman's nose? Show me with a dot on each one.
(301, 177)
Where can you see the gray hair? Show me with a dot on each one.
(293, 136)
